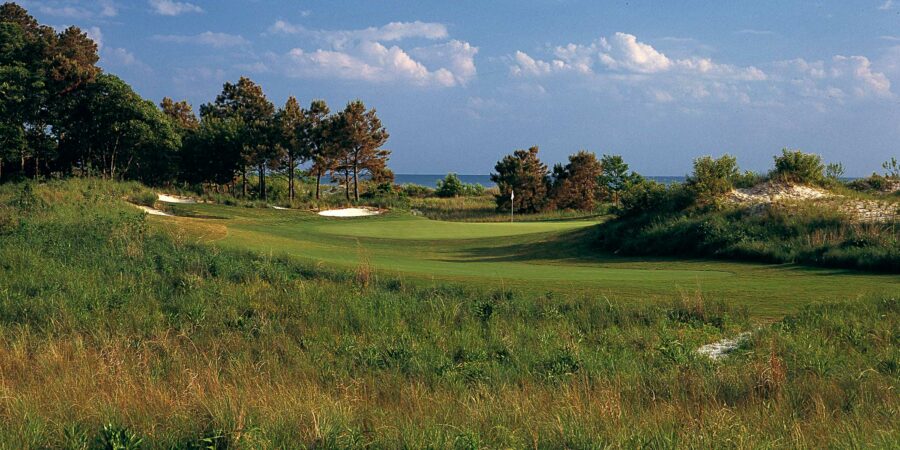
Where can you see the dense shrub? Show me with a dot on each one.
(712, 177)
(799, 167)
(452, 186)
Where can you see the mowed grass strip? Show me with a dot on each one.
(547, 256)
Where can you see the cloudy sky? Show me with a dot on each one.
(458, 84)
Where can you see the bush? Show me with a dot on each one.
(452, 186)
(649, 197)
(799, 167)
(712, 177)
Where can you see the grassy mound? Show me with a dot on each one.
(115, 334)
(812, 233)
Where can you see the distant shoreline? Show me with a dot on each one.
(430, 180)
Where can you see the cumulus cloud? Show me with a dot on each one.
(623, 53)
(173, 8)
(887, 5)
(625, 64)
(96, 35)
(208, 38)
(374, 54)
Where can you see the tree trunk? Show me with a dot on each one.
(356, 181)
(318, 182)
(347, 184)
(244, 182)
(291, 179)
(37, 166)
(262, 183)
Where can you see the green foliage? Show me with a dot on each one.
(650, 198)
(524, 175)
(799, 167)
(451, 186)
(713, 177)
(834, 171)
(614, 177)
(891, 169)
(575, 185)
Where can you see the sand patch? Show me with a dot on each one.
(280, 208)
(174, 199)
(152, 211)
(349, 212)
(775, 192)
(721, 349)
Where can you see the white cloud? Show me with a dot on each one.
(173, 8)
(836, 79)
(626, 66)
(888, 4)
(363, 55)
(623, 53)
(208, 38)
(79, 10)
(751, 31)
(394, 31)
(96, 35)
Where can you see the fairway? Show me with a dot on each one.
(539, 257)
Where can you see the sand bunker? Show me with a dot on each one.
(721, 349)
(349, 212)
(152, 211)
(174, 199)
(280, 208)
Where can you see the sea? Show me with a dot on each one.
(485, 180)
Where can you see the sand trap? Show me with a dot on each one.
(349, 212)
(152, 211)
(173, 199)
(721, 349)
(280, 208)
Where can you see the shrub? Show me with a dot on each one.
(452, 186)
(799, 167)
(712, 177)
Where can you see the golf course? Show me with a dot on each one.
(537, 257)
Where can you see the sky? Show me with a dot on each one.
(460, 84)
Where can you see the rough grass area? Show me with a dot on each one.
(484, 209)
(117, 333)
(818, 235)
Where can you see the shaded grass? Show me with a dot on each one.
(112, 330)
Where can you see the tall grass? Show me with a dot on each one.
(484, 209)
(113, 332)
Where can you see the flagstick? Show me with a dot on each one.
(512, 204)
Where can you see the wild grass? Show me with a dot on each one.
(797, 233)
(117, 334)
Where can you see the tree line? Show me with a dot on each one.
(61, 115)
(580, 184)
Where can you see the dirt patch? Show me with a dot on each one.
(721, 349)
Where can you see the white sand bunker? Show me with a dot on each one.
(721, 349)
(152, 211)
(175, 199)
(349, 212)
(280, 208)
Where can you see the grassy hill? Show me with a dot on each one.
(119, 330)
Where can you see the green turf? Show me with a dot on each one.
(537, 256)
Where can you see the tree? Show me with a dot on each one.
(289, 122)
(525, 174)
(362, 136)
(713, 177)
(575, 184)
(891, 168)
(214, 153)
(614, 176)
(116, 130)
(314, 134)
(246, 102)
(181, 114)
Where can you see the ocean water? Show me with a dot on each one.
(485, 180)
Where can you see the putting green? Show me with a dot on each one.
(554, 256)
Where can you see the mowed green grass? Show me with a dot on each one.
(545, 257)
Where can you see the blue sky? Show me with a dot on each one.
(459, 84)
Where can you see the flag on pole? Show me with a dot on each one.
(512, 194)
